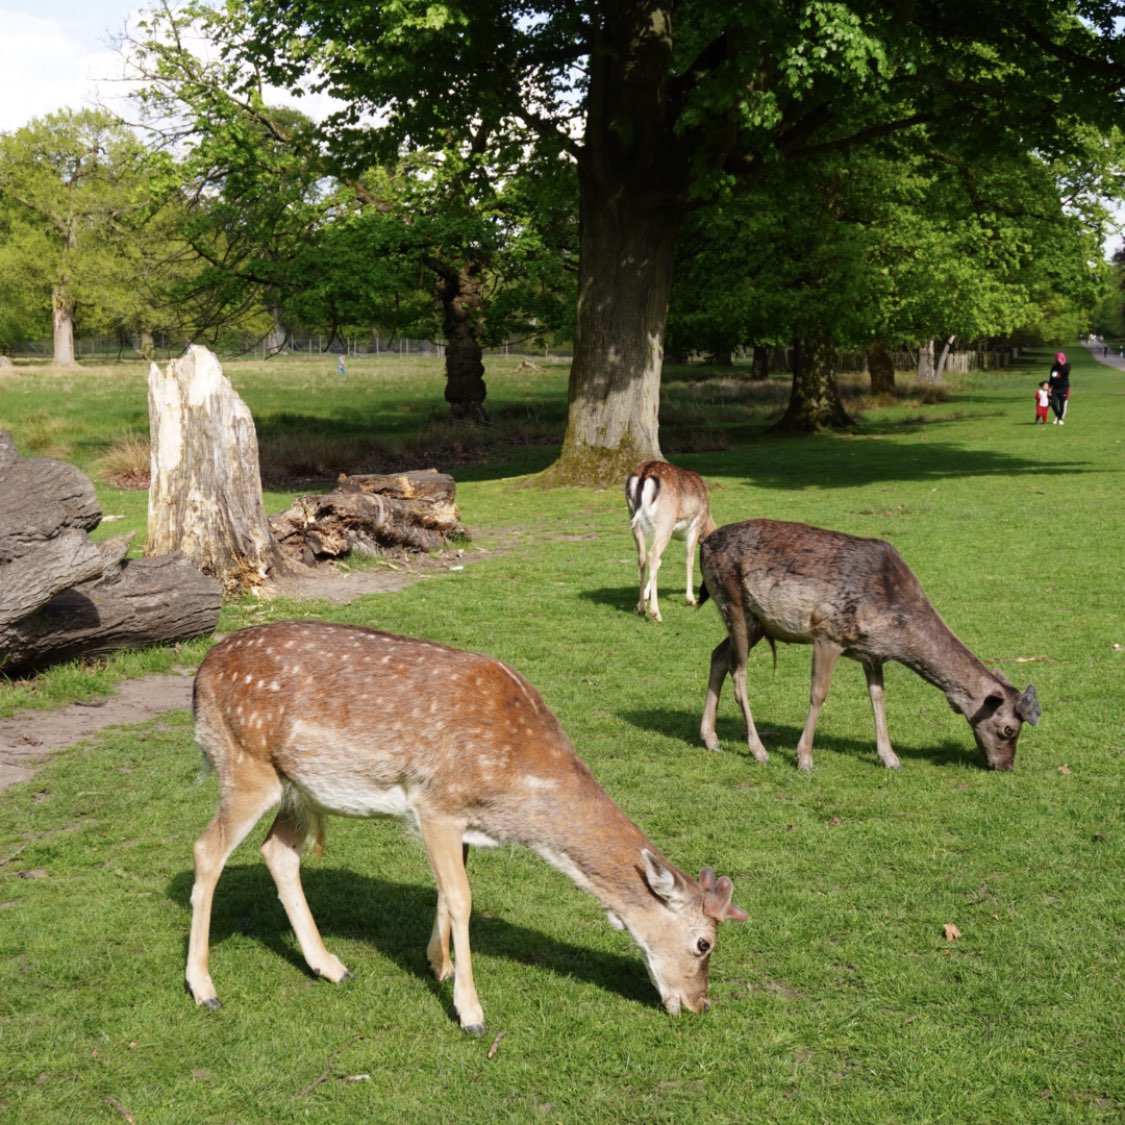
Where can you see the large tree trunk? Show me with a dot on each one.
(632, 176)
(881, 368)
(63, 317)
(461, 292)
(125, 603)
(814, 400)
(205, 495)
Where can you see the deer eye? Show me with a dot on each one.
(1010, 732)
(702, 946)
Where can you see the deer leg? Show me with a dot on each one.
(720, 665)
(741, 645)
(281, 850)
(887, 756)
(248, 793)
(639, 541)
(732, 656)
(661, 537)
(691, 539)
(443, 840)
(825, 655)
(437, 952)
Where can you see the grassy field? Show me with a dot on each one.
(839, 1001)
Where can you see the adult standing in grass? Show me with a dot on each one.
(1060, 387)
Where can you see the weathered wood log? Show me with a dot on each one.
(62, 595)
(135, 602)
(31, 580)
(205, 492)
(369, 514)
(40, 497)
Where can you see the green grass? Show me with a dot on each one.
(840, 1000)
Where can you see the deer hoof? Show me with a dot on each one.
(473, 1029)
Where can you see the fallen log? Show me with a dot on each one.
(63, 595)
(371, 514)
(131, 604)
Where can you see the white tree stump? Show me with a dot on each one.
(205, 495)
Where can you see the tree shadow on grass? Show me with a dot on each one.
(781, 740)
(395, 919)
(849, 463)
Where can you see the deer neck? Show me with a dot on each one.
(936, 653)
(598, 848)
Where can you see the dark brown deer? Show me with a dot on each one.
(665, 502)
(337, 719)
(846, 597)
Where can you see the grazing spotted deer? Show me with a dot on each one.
(665, 502)
(328, 718)
(846, 597)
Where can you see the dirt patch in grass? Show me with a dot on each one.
(28, 740)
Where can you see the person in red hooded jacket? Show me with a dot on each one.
(1060, 388)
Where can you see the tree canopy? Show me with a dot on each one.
(663, 108)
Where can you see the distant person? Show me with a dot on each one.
(1042, 401)
(1060, 388)
(340, 368)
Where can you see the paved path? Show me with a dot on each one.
(1112, 360)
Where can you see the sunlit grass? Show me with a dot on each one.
(840, 1001)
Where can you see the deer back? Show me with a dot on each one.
(363, 722)
(657, 485)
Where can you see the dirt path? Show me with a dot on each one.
(28, 739)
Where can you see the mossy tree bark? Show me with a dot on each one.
(881, 368)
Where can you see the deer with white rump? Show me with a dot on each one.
(846, 597)
(323, 718)
(665, 502)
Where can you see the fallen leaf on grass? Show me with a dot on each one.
(1031, 659)
(495, 1045)
(835, 821)
(1064, 769)
(951, 931)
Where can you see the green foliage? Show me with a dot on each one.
(840, 1001)
(81, 215)
(893, 246)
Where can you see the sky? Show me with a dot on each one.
(55, 54)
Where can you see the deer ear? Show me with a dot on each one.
(661, 880)
(1027, 706)
(717, 902)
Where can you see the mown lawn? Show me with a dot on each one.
(840, 1001)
